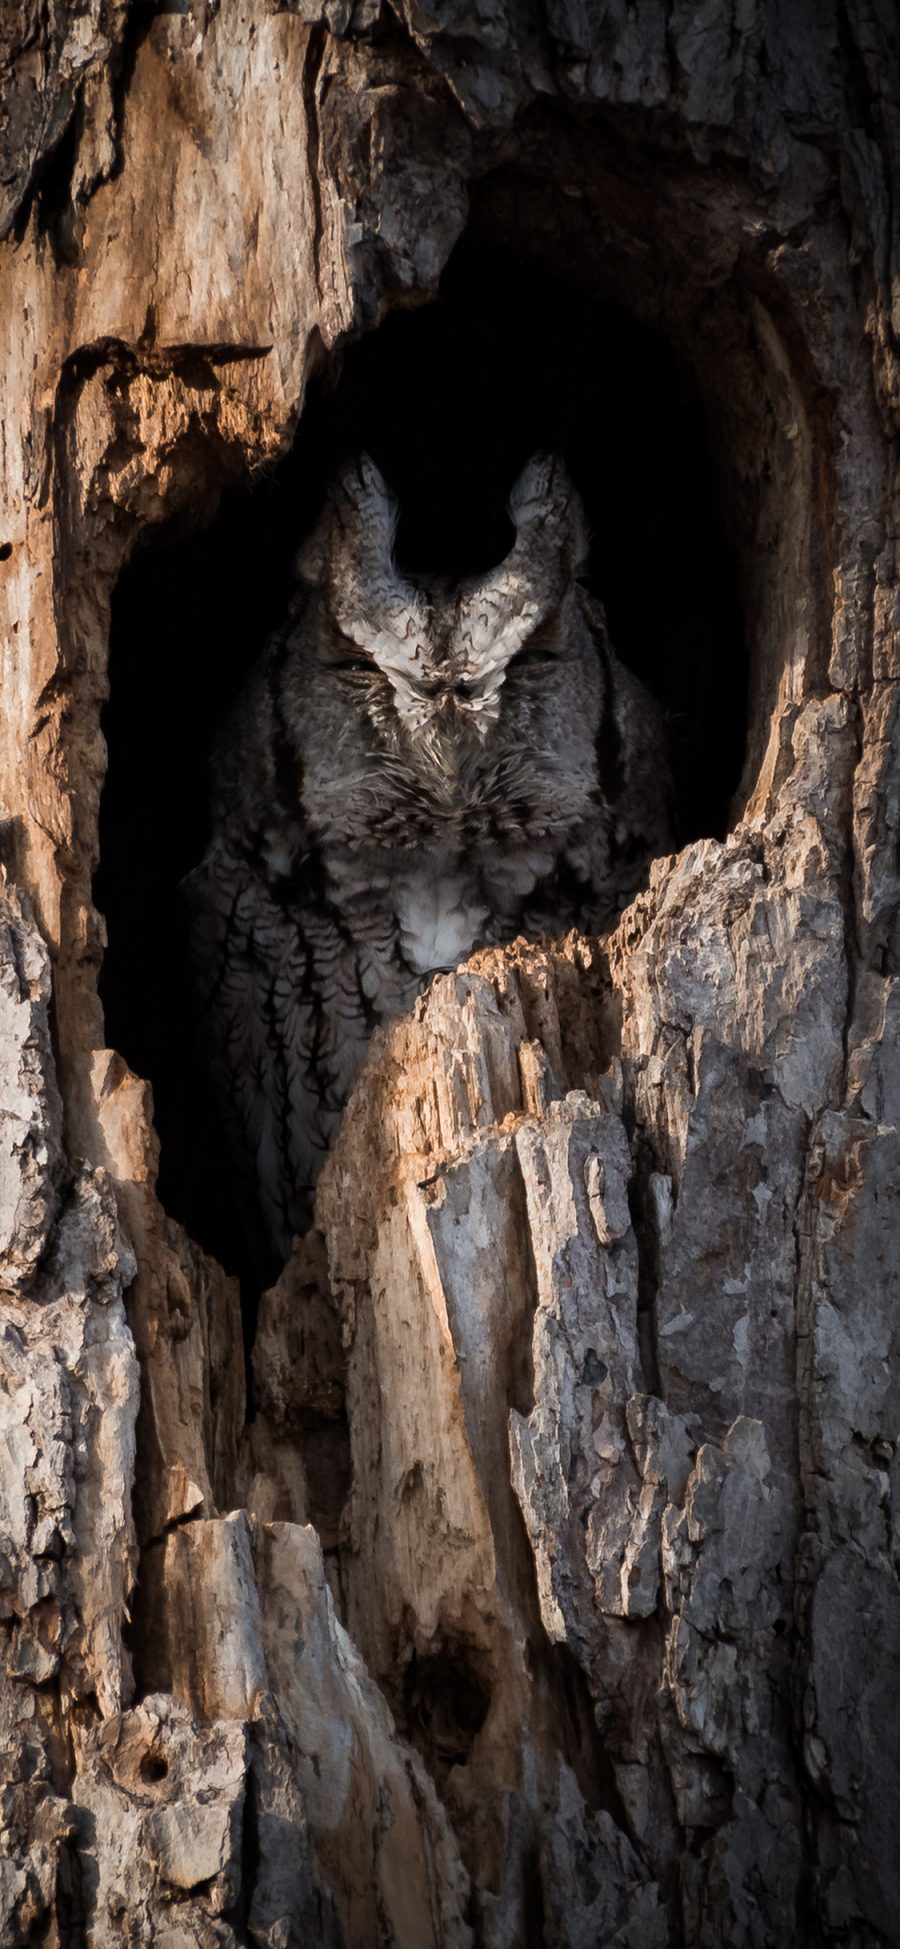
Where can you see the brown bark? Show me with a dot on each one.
(587, 1378)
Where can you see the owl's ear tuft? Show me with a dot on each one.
(359, 519)
(367, 507)
(545, 501)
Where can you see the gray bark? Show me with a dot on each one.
(604, 1278)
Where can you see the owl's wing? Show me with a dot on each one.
(643, 809)
(238, 941)
(285, 1021)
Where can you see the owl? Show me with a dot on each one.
(414, 769)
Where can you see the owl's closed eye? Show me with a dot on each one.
(416, 768)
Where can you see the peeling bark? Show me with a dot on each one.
(549, 1594)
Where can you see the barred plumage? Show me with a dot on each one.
(414, 769)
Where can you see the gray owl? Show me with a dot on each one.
(413, 769)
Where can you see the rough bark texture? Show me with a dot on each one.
(587, 1378)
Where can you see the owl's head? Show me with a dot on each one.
(440, 655)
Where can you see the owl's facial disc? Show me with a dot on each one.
(446, 669)
(445, 709)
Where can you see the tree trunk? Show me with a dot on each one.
(550, 1593)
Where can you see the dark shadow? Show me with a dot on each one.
(446, 1700)
(450, 400)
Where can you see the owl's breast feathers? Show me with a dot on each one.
(358, 847)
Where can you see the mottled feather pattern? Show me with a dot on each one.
(413, 770)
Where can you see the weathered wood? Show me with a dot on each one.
(588, 1375)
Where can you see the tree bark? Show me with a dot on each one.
(551, 1593)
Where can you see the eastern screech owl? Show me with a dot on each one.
(414, 769)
